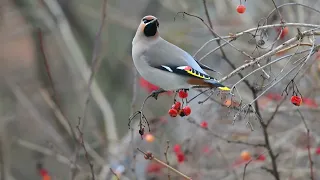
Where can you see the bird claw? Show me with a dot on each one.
(156, 93)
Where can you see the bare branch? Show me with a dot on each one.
(308, 145)
(211, 132)
(266, 55)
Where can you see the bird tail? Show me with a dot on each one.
(218, 85)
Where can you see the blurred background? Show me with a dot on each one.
(46, 53)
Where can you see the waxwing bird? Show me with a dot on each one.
(165, 64)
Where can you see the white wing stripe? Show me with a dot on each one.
(182, 67)
(167, 68)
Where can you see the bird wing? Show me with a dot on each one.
(165, 56)
(184, 71)
(164, 53)
(193, 74)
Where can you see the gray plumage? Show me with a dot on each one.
(150, 51)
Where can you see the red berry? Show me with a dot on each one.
(180, 157)
(296, 100)
(173, 112)
(204, 124)
(261, 157)
(318, 151)
(154, 167)
(245, 155)
(183, 94)
(187, 111)
(241, 9)
(176, 105)
(43, 172)
(274, 96)
(177, 148)
(284, 31)
(206, 149)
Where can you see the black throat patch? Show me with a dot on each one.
(150, 29)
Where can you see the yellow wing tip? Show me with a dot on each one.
(224, 88)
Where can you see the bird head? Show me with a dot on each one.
(148, 27)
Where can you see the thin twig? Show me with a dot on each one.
(266, 55)
(166, 156)
(81, 141)
(218, 38)
(247, 163)
(227, 163)
(280, 15)
(275, 112)
(211, 132)
(133, 106)
(290, 4)
(164, 164)
(212, 31)
(214, 34)
(48, 71)
(95, 61)
(45, 59)
(46, 151)
(293, 46)
(266, 65)
(115, 175)
(234, 36)
(308, 145)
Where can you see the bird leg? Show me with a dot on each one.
(156, 93)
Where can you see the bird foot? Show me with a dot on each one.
(156, 93)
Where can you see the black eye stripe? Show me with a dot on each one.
(146, 20)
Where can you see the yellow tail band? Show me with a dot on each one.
(224, 88)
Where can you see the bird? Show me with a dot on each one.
(165, 64)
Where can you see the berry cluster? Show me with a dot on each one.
(296, 100)
(177, 108)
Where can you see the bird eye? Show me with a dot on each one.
(146, 20)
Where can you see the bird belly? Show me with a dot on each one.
(165, 80)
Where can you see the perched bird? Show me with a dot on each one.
(165, 64)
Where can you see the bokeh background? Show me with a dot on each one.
(46, 52)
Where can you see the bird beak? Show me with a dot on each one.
(155, 20)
